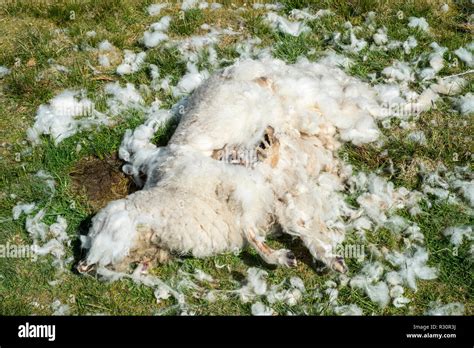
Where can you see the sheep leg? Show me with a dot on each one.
(274, 257)
(322, 250)
(315, 237)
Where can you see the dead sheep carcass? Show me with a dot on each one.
(255, 152)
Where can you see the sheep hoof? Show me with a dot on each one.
(85, 268)
(339, 265)
(289, 259)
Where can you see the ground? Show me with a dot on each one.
(88, 176)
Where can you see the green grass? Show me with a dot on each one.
(27, 34)
(187, 22)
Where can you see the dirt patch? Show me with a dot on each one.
(101, 180)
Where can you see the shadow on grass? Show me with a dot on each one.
(78, 252)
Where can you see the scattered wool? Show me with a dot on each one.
(161, 293)
(436, 62)
(445, 8)
(156, 34)
(155, 9)
(369, 281)
(390, 95)
(36, 227)
(382, 197)
(434, 178)
(186, 282)
(412, 265)
(356, 45)
(435, 184)
(449, 85)
(190, 81)
(139, 276)
(105, 46)
(273, 7)
(4, 71)
(256, 284)
(393, 278)
(335, 60)
(136, 147)
(466, 188)
(400, 301)
(333, 294)
(202, 276)
(60, 309)
(215, 6)
(58, 67)
(248, 48)
(395, 44)
(203, 5)
(58, 238)
(458, 233)
(211, 296)
(437, 308)
(323, 12)
(212, 58)
(297, 283)
(189, 4)
(417, 137)
(132, 62)
(259, 309)
(56, 245)
(64, 116)
(286, 26)
(414, 234)
(400, 71)
(396, 224)
(155, 77)
(192, 47)
(380, 37)
(396, 291)
(289, 296)
(465, 104)
(122, 98)
(305, 15)
(351, 309)
(435, 191)
(22, 208)
(48, 179)
(104, 60)
(436, 58)
(58, 230)
(465, 55)
(91, 33)
(420, 23)
(424, 102)
(362, 223)
(409, 44)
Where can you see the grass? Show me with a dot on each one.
(33, 32)
(187, 22)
